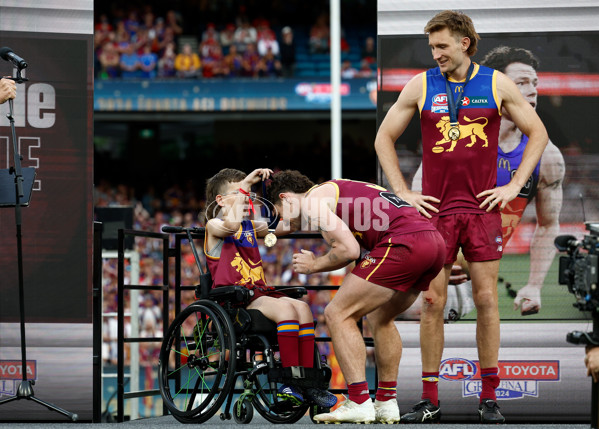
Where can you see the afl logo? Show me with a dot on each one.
(457, 369)
(440, 100)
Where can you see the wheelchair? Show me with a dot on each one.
(215, 344)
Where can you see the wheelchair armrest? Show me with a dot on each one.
(293, 291)
(234, 294)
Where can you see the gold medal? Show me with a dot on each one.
(270, 239)
(454, 133)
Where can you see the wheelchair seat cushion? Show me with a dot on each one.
(260, 323)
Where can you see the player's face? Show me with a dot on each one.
(289, 211)
(447, 50)
(526, 79)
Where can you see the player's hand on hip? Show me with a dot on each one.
(303, 262)
(420, 202)
(499, 196)
(528, 299)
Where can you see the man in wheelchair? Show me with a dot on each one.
(233, 258)
(405, 252)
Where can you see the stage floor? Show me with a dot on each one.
(304, 423)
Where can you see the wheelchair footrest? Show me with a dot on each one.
(301, 377)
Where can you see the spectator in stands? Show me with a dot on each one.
(129, 63)
(365, 69)
(213, 63)
(319, 35)
(245, 35)
(266, 42)
(369, 50)
(227, 37)
(166, 63)
(148, 62)
(168, 36)
(287, 49)
(250, 61)
(131, 24)
(174, 22)
(208, 45)
(123, 38)
(347, 70)
(210, 32)
(233, 62)
(187, 63)
(269, 65)
(110, 61)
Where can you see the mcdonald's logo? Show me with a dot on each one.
(503, 163)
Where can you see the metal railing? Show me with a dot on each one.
(178, 288)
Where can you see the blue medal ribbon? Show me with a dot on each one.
(454, 107)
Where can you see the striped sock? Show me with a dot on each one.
(386, 390)
(287, 335)
(306, 345)
(490, 381)
(430, 389)
(358, 392)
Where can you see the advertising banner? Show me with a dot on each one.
(54, 126)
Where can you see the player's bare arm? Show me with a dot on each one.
(397, 119)
(344, 247)
(548, 203)
(527, 121)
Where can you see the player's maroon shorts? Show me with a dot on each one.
(405, 261)
(478, 234)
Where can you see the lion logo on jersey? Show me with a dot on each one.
(472, 130)
(249, 275)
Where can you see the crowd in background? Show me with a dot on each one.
(142, 43)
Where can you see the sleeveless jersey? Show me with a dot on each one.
(456, 171)
(373, 213)
(507, 164)
(240, 262)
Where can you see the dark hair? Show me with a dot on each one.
(502, 56)
(215, 186)
(288, 181)
(458, 23)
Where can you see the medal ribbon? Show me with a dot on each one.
(247, 194)
(454, 107)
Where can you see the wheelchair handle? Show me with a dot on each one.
(172, 229)
(177, 229)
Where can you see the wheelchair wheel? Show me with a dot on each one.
(243, 411)
(197, 362)
(272, 410)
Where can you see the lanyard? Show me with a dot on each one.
(453, 108)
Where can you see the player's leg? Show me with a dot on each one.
(356, 298)
(484, 292)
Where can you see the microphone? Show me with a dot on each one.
(565, 242)
(7, 54)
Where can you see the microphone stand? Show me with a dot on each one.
(25, 390)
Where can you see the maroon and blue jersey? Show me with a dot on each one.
(373, 213)
(507, 164)
(456, 171)
(239, 262)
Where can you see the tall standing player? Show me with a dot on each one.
(460, 105)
